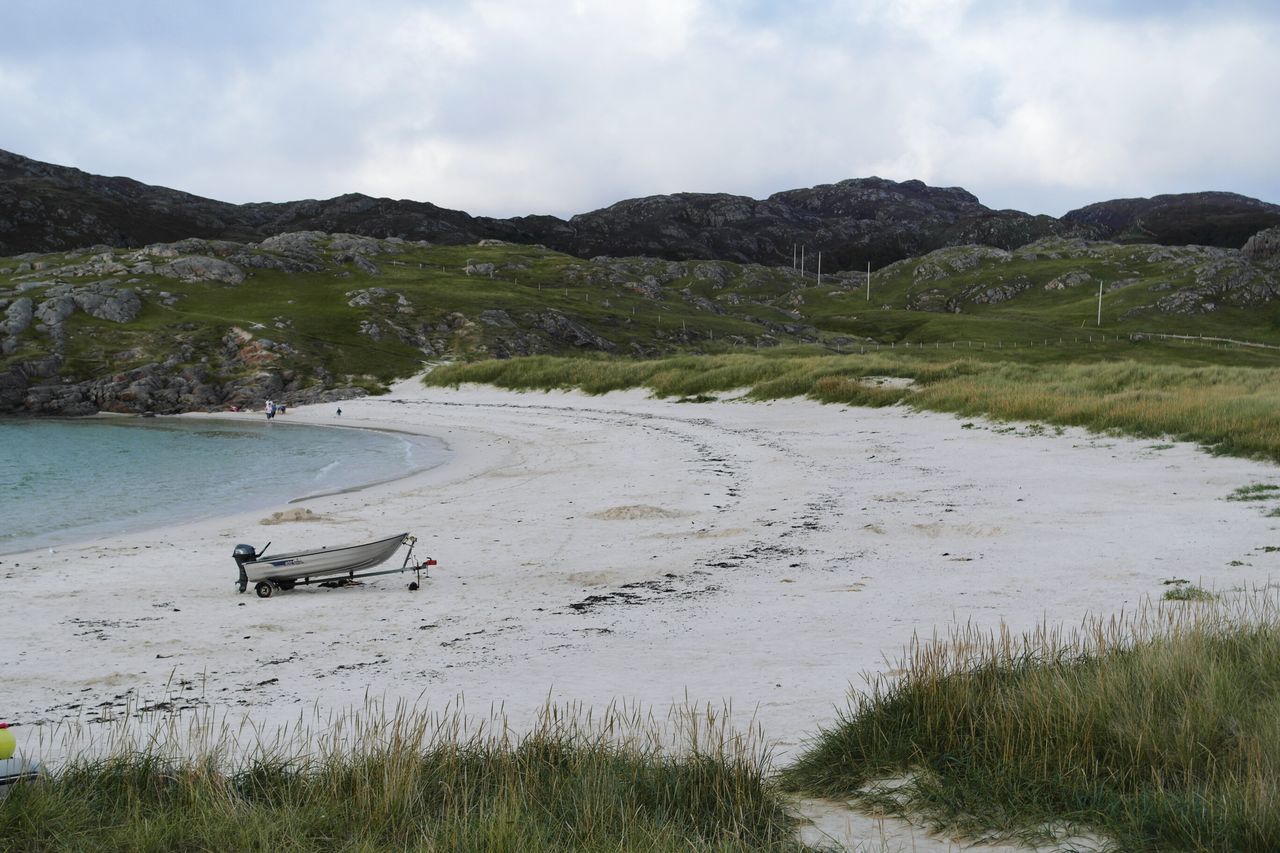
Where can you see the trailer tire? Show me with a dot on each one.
(263, 589)
(413, 587)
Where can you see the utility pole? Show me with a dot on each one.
(1099, 302)
(793, 257)
(802, 260)
(819, 269)
(868, 281)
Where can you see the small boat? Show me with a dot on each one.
(14, 770)
(337, 565)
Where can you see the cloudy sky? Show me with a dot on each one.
(504, 107)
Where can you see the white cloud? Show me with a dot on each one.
(503, 107)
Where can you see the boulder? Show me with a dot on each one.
(53, 311)
(300, 244)
(355, 244)
(202, 268)
(189, 246)
(1069, 279)
(991, 294)
(366, 265)
(945, 263)
(365, 298)
(267, 261)
(17, 317)
(717, 274)
(101, 300)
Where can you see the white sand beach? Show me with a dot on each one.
(622, 548)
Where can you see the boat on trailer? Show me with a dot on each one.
(333, 566)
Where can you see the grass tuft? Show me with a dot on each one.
(1185, 591)
(1255, 492)
(1157, 730)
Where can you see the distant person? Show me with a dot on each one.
(271, 409)
(339, 412)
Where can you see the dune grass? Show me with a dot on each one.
(1230, 410)
(413, 781)
(1159, 731)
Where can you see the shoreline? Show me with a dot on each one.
(76, 538)
(620, 548)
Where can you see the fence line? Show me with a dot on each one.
(1239, 343)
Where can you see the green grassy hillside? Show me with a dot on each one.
(330, 311)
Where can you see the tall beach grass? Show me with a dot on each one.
(403, 779)
(1159, 730)
(1227, 409)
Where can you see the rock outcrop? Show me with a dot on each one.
(1263, 247)
(200, 268)
(1225, 220)
(852, 222)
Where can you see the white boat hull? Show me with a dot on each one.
(325, 561)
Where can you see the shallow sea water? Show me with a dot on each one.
(68, 480)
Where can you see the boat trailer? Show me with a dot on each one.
(325, 567)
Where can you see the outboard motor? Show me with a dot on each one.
(244, 554)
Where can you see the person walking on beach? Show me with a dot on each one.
(271, 409)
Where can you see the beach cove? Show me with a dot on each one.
(70, 479)
(622, 548)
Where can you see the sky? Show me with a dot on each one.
(511, 107)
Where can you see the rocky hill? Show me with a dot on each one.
(45, 208)
(310, 316)
(1225, 220)
(852, 223)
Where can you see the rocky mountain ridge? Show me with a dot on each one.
(45, 208)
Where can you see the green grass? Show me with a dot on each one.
(1160, 731)
(411, 781)
(1227, 409)
(1255, 492)
(642, 306)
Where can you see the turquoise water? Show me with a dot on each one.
(64, 481)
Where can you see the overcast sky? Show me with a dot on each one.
(504, 107)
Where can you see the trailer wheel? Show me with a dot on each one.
(263, 589)
(413, 586)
